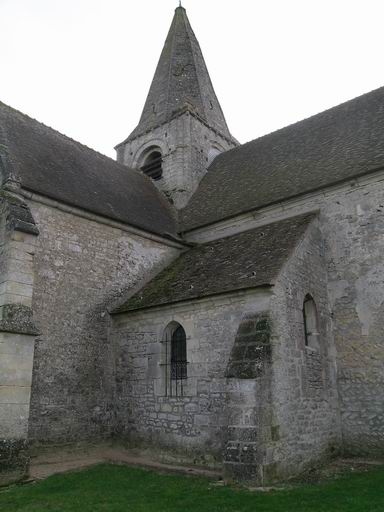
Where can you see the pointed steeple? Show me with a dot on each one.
(181, 83)
(182, 127)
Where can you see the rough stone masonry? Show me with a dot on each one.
(208, 302)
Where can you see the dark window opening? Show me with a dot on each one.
(179, 354)
(153, 166)
(175, 360)
(310, 322)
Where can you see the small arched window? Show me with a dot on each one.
(179, 354)
(175, 359)
(153, 165)
(311, 330)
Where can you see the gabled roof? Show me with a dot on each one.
(181, 82)
(336, 145)
(55, 166)
(247, 260)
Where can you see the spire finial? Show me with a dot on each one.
(180, 3)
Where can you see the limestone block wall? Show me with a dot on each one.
(16, 362)
(192, 427)
(352, 222)
(17, 334)
(17, 276)
(185, 144)
(81, 266)
(305, 419)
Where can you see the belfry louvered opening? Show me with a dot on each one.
(153, 165)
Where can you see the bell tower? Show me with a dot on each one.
(182, 127)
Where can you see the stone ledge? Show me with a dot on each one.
(17, 319)
(18, 214)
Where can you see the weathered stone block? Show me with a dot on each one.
(243, 473)
(232, 452)
(249, 453)
(14, 460)
(244, 434)
(17, 318)
(15, 394)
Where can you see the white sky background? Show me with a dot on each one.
(84, 67)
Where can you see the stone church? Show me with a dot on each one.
(212, 303)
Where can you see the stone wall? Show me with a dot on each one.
(352, 222)
(16, 361)
(256, 397)
(81, 267)
(305, 424)
(192, 427)
(17, 332)
(185, 143)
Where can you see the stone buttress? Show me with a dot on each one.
(17, 329)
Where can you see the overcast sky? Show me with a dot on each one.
(84, 66)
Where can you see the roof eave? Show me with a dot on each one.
(123, 310)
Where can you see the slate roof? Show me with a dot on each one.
(338, 144)
(51, 164)
(247, 260)
(181, 81)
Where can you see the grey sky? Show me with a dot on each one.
(84, 66)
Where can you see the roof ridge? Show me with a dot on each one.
(312, 116)
(340, 143)
(305, 215)
(170, 62)
(53, 165)
(67, 137)
(198, 77)
(194, 61)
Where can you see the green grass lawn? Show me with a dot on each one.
(124, 489)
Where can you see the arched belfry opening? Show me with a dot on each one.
(213, 152)
(152, 165)
(181, 115)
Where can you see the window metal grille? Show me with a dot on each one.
(179, 355)
(176, 363)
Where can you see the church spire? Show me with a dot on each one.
(181, 82)
(182, 127)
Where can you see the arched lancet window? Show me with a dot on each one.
(311, 330)
(175, 358)
(179, 354)
(153, 165)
